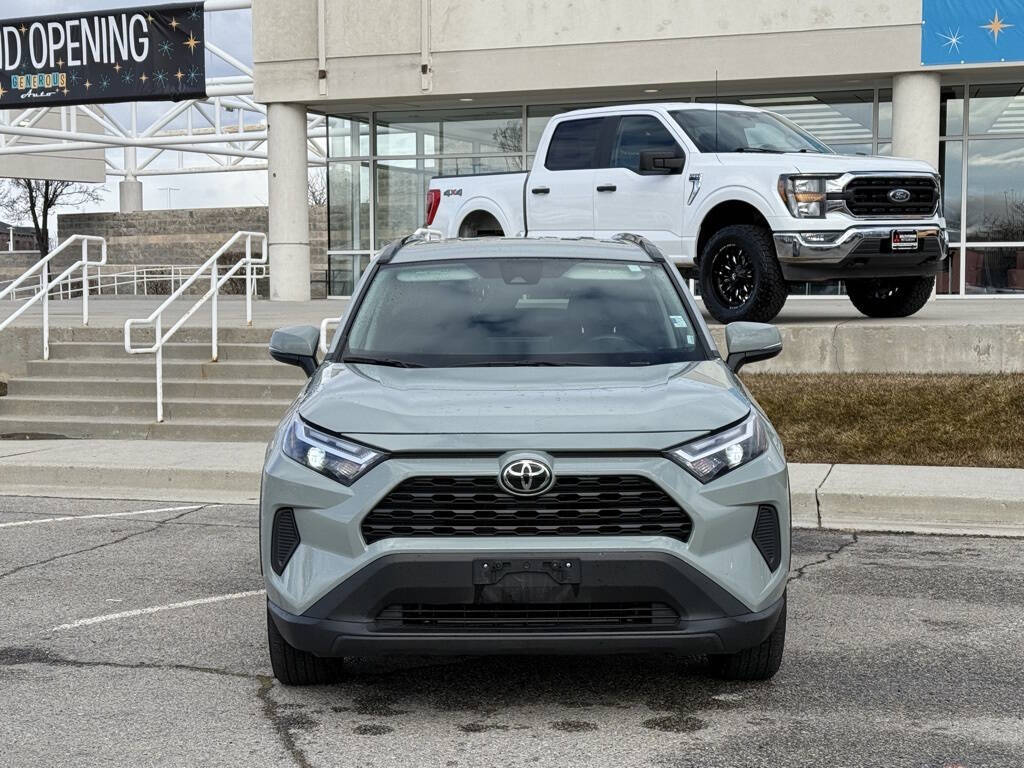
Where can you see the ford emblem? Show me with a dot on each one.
(899, 195)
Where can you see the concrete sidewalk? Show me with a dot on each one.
(962, 500)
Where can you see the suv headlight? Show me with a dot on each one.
(805, 196)
(713, 455)
(338, 459)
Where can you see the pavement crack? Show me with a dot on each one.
(20, 655)
(153, 525)
(817, 489)
(799, 574)
(281, 723)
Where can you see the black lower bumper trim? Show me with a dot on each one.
(348, 620)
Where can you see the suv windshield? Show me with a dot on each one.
(519, 312)
(745, 131)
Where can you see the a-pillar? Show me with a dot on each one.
(915, 116)
(288, 179)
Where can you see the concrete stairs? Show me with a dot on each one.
(91, 388)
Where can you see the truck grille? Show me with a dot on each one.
(594, 505)
(526, 616)
(869, 196)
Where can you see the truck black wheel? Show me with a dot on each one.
(758, 663)
(740, 277)
(294, 667)
(890, 296)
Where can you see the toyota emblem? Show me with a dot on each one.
(526, 477)
(899, 195)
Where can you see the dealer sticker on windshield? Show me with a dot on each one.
(904, 239)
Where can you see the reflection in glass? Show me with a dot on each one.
(537, 118)
(951, 155)
(947, 282)
(885, 113)
(348, 136)
(348, 200)
(995, 109)
(852, 149)
(885, 149)
(401, 197)
(994, 270)
(995, 190)
(951, 111)
(344, 271)
(450, 131)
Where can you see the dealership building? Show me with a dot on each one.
(417, 88)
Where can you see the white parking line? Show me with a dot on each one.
(157, 609)
(41, 520)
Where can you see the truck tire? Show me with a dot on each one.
(890, 296)
(758, 663)
(295, 667)
(740, 276)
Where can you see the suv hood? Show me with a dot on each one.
(809, 162)
(368, 399)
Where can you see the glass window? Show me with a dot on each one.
(951, 111)
(852, 149)
(538, 117)
(640, 133)
(885, 113)
(996, 109)
(574, 145)
(348, 201)
(994, 270)
(728, 130)
(400, 198)
(947, 282)
(450, 131)
(885, 148)
(463, 166)
(951, 156)
(995, 198)
(348, 136)
(523, 311)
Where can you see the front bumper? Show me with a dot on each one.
(861, 252)
(354, 618)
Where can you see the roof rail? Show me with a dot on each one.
(642, 242)
(420, 235)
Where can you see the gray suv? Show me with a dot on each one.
(524, 446)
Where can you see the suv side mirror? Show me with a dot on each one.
(657, 161)
(296, 345)
(750, 342)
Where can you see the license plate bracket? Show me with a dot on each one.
(904, 240)
(563, 570)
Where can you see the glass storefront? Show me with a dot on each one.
(381, 164)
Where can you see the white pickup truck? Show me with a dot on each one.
(738, 197)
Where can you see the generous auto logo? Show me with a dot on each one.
(526, 477)
(899, 195)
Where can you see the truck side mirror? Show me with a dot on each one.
(296, 345)
(750, 342)
(661, 162)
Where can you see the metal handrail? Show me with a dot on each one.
(46, 284)
(216, 282)
(323, 331)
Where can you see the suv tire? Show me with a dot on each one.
(890, 296)
(740, 276)
(758, 663)
(294, 667)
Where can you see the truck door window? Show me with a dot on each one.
(640, 133)
(574, 145)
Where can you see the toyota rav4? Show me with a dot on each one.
(524, 446)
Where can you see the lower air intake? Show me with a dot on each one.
(284, 540)
(767, 537)
(523, 616)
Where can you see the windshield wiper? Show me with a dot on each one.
(768, 150)
(379, 361)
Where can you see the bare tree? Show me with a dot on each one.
(35, 199)
(318, 187)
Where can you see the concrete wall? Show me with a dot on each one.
(186, 236)
(373, 47)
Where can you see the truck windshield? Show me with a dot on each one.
(521, 312)
(745, 131)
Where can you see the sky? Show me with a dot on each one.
(230, 30)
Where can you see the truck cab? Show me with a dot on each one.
(739, 198)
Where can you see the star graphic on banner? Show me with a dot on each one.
(117, 67)
(194, 14)
(23, 29)
(88, 85)
(104, 83)
(73, 77)
(193, 75)
(65, 91)
(179, 74)
(60, 63)
(143, 78)
(127, 77)
(952, 40)
(174, 24)
(165, 47)
(160, 76)
(996, 26)
(149, 18)
(191, 43)
(2, 91)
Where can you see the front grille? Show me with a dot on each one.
(529, 616)
(869, 196)
(591, 505)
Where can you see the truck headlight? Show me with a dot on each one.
(331, 456)
(805, 196)
(713, 455)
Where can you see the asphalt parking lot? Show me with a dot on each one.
(902, 651)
